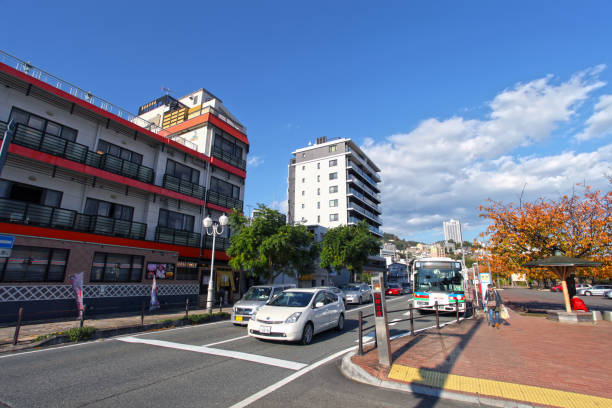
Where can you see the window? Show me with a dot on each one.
(318, 191)
(42, 124)
(114, 150)
(333, 217)
(224, 188)
(30, 194)
(174, 220)
(303, 192)
(302, 205)
(187, 270)
(318, 218)
(318, 178)
(332, 148)
(303, 180)
(333, 176)
(182, 172)
(333, 163)
(230, 147)
(333, 189)
(107, 209)
(303, 167)
(195, 100)
(318, 165)
(109, 267)
(34, 264)
(333, 203)
(318, 204)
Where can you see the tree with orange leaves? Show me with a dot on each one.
(579, 226)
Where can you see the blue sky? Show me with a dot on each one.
(457, 102)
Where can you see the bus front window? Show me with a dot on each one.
(437, 280)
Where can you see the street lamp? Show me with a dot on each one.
(214, 229)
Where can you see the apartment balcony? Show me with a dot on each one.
(44, 142)
(221, 243)
(373, 229)
(352, 206)
(228, 158)
(365, 187)
(355, 156)
(224, 201)
(19, 212)
(361, 197)
(184, 187)
(350, 165)
(177, 237)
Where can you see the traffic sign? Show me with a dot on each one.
(6, 245)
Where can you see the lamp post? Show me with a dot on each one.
(214, 229)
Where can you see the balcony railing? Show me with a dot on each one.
(364, 187)
(356, 156)
(177, 237)
(364, 199)
(44, 142)
(19, 212)
(228, 158)
(184, 187)
(356, 207)
(224, 201)
(354, 220)
(353, 166)
(221, 243)
(86, 96)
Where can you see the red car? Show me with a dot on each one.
(394, 289)
(557, 288)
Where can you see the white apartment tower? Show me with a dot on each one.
(333, 183)
(452, 230)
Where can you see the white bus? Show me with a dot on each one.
(438, 280)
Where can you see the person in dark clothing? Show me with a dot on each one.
(493, 304)
(571, 285)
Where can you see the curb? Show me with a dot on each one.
(356, 373)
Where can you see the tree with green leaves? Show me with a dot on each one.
(267, 247)
(348, 246)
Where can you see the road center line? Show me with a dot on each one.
(291, 365)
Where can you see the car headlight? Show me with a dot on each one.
(293, 318)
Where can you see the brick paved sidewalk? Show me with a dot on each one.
(526, 350)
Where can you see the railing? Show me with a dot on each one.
(352, 166)
(19, 212)
(364, 163)
(194, 112)
(44, 142)
(86, 96)
(226, 157)
(354, 220)
(363, 211)
(221, 243)
(364, 199)
(184, 187)
(224, 201)
(177, 237)
(365, 187)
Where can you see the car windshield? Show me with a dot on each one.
(439, 280)
(350, 288)
(292, 299)
(255, 293)
(393, 286)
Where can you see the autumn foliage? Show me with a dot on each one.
(579, 225)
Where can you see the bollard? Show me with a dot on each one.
(411, 321)
(457, 308)
(16, 336)
(187, 308)
(437, 316)
(360, 333)
(82, 319)
(142, 314)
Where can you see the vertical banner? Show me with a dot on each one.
(77, 285)
(154, 300)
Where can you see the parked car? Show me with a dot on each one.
(394, 289)
(253, 299)
(608, 294)
(598, 290)
(407, 287)
(297, 315)
(357, 293)
(336, 291)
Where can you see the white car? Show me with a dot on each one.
(597, 290)
(297, 315)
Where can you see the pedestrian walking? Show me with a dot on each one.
(493, 304)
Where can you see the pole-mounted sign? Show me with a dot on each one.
(380, 319)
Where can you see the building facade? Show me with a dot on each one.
(89, 187)
(333, 183)
(452, 230)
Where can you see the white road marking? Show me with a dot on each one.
(366, 337)
(291, 365)
(225, 341)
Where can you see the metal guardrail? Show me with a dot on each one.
(184, 187)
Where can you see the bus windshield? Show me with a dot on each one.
(439, 280)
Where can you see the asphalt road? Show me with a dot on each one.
(545, 299)
(211, 365)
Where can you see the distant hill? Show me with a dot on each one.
(399, 243)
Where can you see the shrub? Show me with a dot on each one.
(77, 334)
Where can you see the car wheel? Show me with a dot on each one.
(588, 293)
(307, 334)
(340, 325)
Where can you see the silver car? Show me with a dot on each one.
(598, 290)
(608, 294)
(253, 299)
(357, 293)
(336, 291)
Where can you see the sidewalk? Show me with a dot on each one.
(529, 361)
(105, 323)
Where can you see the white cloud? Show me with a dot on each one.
(446, 168)
(600, 124)
(254, 161)
(279, 206)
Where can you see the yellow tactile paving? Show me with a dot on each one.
(497, 389)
